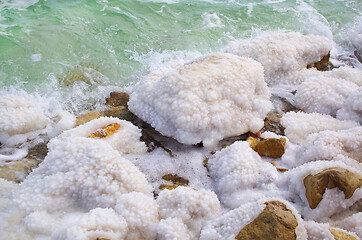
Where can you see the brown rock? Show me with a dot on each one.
(38, 152)
(322, 64)
(117, 99)
(106, 131)
(274, 222)
(82, 119)
(339, 235)
(17, 171)
(270, 147)
(176, 180)
(152, 143)
(345, 180)
(169, 187)
(272, 124)
(121, 112)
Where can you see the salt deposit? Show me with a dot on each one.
(214, 97)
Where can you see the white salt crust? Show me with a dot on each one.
(217, 96)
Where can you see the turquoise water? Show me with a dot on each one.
(41, 40)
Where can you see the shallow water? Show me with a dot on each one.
(41, 40)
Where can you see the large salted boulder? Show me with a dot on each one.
(240, 175)
(343, 145)
(217, 96)
(280, 52)
(299, 125)
(192, 207)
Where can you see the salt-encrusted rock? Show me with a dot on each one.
(116, 99)
(84, 118)
(217, 96)
(193, 207)
(352, 107)
(20, 115)
(38, 152)
(99, 223)
(316, 185)
(270, 147)
(83, 72)
(80, 172)
(141, 214)
(124, 137)
(341, 235)
(323, 94)
(262, 219)
(173, 228)
(322, 64)
(121, 112)
(334, 200)
(16, 171)
(274, 222)
(240, 175)
(299, 125)
(280, 53)
(351, 223)
(342, 145)
(324, 231)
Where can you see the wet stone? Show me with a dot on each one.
(122, 113)
(87, 117)
(176, 180)
(117, 99)
(16, 171)
(269, 147)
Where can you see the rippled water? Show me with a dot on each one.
(40, 40)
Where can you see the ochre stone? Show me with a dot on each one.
(105, 131)
(270, 147)
(345, 180)
(83, 72)
(175, 179)
(120, 112)
(274, 222)
(117, 99)
(339, 235)
(322, 64)
(169, 187)
(82, 119)
(16, 171)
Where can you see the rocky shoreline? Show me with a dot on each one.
(201, 151)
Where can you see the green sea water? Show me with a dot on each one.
(124, 39)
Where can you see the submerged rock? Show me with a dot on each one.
(345, 180)
(83, 72)
(116, 99)
(88, 117)
(274, 222)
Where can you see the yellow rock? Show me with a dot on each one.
(339, 235)
(105, 131)
(175, 179)
(345, 180)
(16, 171)
(269, 147)
(82, 119)
(274, 222)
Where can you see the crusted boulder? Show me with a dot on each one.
(274, 222)
(343, 179)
